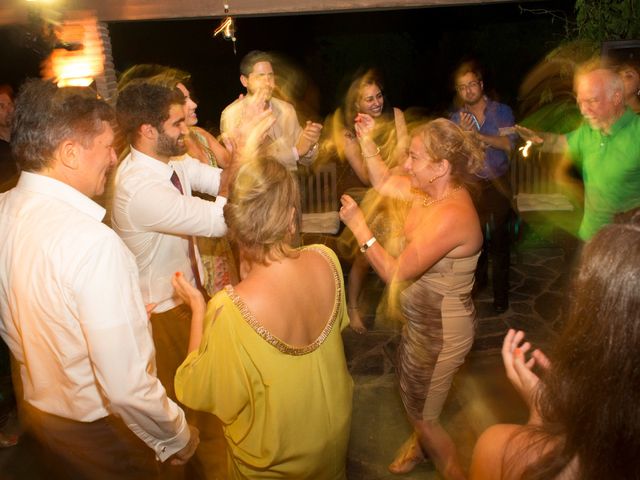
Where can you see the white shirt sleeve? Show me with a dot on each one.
(116, 329)
(160, 207)
(202, 178)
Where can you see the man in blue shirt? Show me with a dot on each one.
(492, 124)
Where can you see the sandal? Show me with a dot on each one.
(409, 455)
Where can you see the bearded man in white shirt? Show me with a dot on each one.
(155, 214)
(70, 305)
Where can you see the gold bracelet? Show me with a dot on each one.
(373, 154)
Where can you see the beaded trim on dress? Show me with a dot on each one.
(275, 341)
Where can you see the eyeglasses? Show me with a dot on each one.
(468, 86)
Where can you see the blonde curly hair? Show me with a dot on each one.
(443, 139)
(259, 212)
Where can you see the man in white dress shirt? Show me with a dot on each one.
(285, 141)
(70, 305)
(155, 214)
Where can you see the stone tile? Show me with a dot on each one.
(515, 276)
(541, 271)
(489, 343)
(491, 326)
(522, 308)
(548, 305)
(518, 294)
(532, 286)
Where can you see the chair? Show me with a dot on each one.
(548, 215)
(320, 200)
(534, 186)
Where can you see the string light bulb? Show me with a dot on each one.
(227, 28)
(525, 150)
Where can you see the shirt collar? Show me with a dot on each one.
(623, 121)
(51, 187)
(158, 166)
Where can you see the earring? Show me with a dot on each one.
(434, 178)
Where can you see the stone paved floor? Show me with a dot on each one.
(481, 395)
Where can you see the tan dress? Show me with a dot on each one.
(438, 334)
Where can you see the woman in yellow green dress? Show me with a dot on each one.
(267, 356)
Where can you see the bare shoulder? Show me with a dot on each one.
(488, 456)
(320, 258)
(458, 218)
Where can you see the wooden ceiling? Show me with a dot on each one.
(15, 11)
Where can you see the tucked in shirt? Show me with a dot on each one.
(610, 167)
(73, 316)
(157, 222)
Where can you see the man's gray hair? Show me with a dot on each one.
(46, 115)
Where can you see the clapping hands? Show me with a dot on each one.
(364, 125)
(468, 121)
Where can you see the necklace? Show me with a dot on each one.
(428, 203)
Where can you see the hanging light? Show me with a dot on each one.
(227, 28)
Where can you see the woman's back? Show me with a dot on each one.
(293, 298)
(284, 397)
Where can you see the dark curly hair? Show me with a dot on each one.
(145, 102)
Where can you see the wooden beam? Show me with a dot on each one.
(15, 11)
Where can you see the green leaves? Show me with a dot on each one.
(601, 20)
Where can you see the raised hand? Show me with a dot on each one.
(351, 214)
(467, 121)
(309, 137)
(254, 104)
(245, 139)
(364, 125)
(528, 134)
(518, 369)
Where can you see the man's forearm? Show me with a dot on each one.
(496, 141)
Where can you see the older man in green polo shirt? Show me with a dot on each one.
(605, 149)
